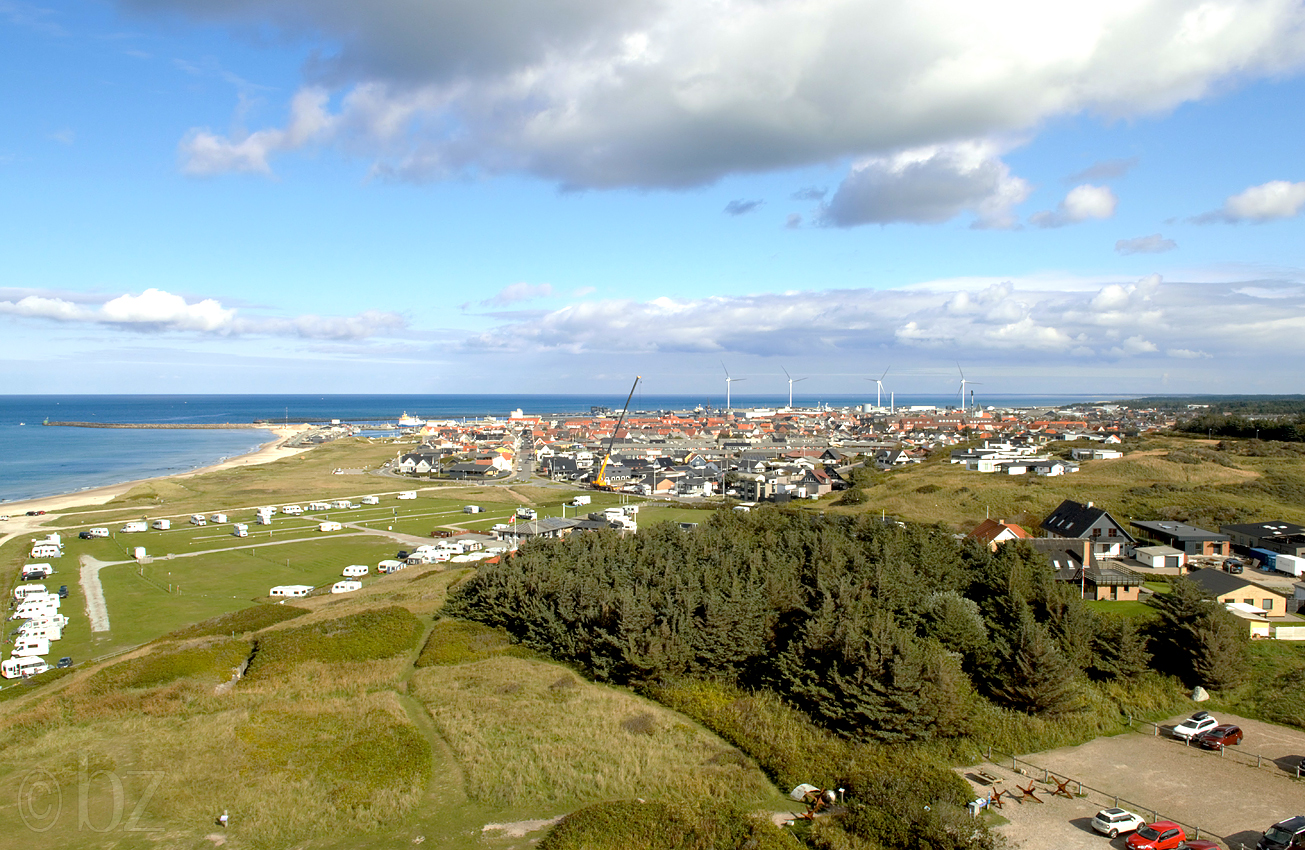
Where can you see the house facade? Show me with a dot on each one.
(1079, 521)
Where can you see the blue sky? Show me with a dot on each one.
(511, 196)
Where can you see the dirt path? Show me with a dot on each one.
(97, 612)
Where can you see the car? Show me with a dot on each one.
(403, 555)
(84, 535)
(1161, 835)
(1115, 822)
(1220, 736)
(33, 513)
(1198, 723)
(1201, 844)
(63, 591)
(1289, 833)
(1233, 566)
(64, 662)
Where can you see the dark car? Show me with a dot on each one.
(63, 591)
(84, 535)
(1233, 566)
(1289, 833)
(1199, 845)
(64, 662)
(1220, 736)
(403, 555)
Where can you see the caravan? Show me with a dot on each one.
(408, 494)
(162, 524)
(292, 510)
(41, 629)
(371, 500)
(356, 571)
(218, 518)
(32, 571)
(30, 646)
(389, 566)
(23, 591)
(46, 549)
(329, 525)
(21, 668)
(319, 506)
(290, 590)
(98, 532)
(198, 519)
(346, 586)
(133, 526)
(32, 608)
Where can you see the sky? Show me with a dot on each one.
(552, 196)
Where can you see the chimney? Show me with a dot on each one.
(1089, 504)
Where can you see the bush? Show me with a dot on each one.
(655, 825)
(366, 636)
(250, 619)
(462, 641)
(211, 663)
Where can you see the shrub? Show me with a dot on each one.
(250, 619)
(462, 641)
(365, 636)
(210, 663)
(655, 825)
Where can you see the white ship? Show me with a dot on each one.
(406, 421)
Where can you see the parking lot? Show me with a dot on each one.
(1229, 798)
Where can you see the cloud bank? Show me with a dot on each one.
(675, 93)
(157, 311)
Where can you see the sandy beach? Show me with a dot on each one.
(266, 453)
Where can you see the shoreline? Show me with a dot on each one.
(274, 449)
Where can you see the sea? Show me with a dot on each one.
(38, 461)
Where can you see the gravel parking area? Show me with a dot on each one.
(1228, 797)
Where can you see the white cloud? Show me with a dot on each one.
(1081, 204)
(1153, 244)
(515, 293)
(1266, 202)
(155, 310)
(666, 93)
(928, 185)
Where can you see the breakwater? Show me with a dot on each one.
(158, 426)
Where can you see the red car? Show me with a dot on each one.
(1220, 736)
(1161, 835)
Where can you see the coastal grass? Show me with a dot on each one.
(211, 662)
(369, 635)
(657, 825)
(462, 641)
(529, 732)
(250, 619)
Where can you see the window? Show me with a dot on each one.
(1113, 532)
(1249, 601)
(1096, 532)
(1268, 605)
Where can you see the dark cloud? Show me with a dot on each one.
(1107, 169)
(742, 207)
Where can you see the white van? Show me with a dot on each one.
(329, 525)
(162, 524)
(22, 667)
(346, 586)
(371, 500)
(240, 530)
(408, 494)
(23, 591)
(134, 526)
(218, 518)
(198, 519)
(99, 532)
(356, 570)
(30, 646)
(291, 590)
(292, 510)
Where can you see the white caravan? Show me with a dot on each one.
(346, 586)
(218, 518)
(371, 500)
(134, 526)
(23, 591)
(45, 549)
(43, 629)
(329, 525)
(99, 532)
(292, 510)
(162, 524)
(356, 570)
(290, 590)
(408, 494)
(22, 667)
(389, 566)
(30, 646)
(240, 530)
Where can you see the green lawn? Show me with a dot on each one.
(1139, 610)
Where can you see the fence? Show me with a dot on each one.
(1237, 755)
(1096, 795)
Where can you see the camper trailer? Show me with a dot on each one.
(218, 518)
(269, 510)
(581, 500)
(346, 586)
(98, 532)
(22, 667)
(139, 553)
(162, 524)
(319, 506)
(472, 509)
(264, 519)
(342, 504)
(371, 500)
(329, 525)
(240, 530)
(198, 519)
(290, 590)
(30, 646)
(389, 566)
(42, 629)
(23, 591)
(408, 494)
(134, 526)
(46, 549)
(32, 571)
(292, 510)
(356, 570)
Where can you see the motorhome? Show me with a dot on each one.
(290, 590)
(30, 646)
(319, 506)
(526, 513)
(198, 519)
(581, 500)
(356, 570)
(134, 526)
(269, 510)
(162, 524)
(218, 518)
(32, 571)
(240, 530)
(472, 509)
(138, 553)
(329, 525)
(292, 510)
(23, 591)
(55, 619)
(342, 504)
(98, 532)
(264, 519)
(408, 494)
(371, 500)
(389, 566)
(45, 549)
(42, 629)
(22, 667)
(346, 586)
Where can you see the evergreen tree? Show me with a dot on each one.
(1036, 677)
(1219, 658)
(1119, 650)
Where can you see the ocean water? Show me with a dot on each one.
(40, 461)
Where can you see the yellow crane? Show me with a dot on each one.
(600, 480)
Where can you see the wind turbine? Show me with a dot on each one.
(791, 381)
(879, 387)
(963, 383)
(728, 381)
